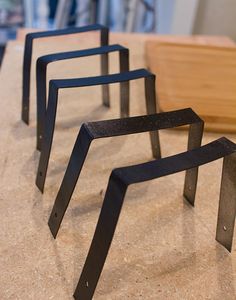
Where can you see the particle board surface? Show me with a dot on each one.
(163, 248)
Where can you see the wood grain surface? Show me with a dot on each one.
(199, 76)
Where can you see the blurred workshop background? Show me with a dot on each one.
(187, 17)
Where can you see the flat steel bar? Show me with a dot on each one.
(227, 204)
(191, 176)
(119, 181)
(152, 107)
(41, 75)
(54, 87)
(111, 128)
(30, 37)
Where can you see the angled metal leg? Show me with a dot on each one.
(105, 70)
(28, 58)
(41, 90)
(78, 157)
(152, 107)
(118, 183)
(124, 86)
(227, 204)
(103, 129)
(41, 70)
(191, 176)
(102, 239)
(54, 86)
(48, 136)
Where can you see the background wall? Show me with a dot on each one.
(213, 17)
(216, 17)
(165, 12)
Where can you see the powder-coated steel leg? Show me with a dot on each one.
(191, 176)
(103, 129)
(54, 86)
(77, 159)
(43, 34)
(227, 204)
(41, 75)
(102, 239)
(152, 107)
(119, 181)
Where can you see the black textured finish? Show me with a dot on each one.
(121, 78)
(41, 73)
(103, 129)
(119, 181)
(30, 37)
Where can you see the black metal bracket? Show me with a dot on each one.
(121, 78)
(41, 75)
(121, 178)
(118, 127)
(30, 37)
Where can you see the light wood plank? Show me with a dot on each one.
(199, 76)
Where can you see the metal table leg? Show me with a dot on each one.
(103, 129)
(30, 37)
(227, 205)
(121, 178)
(41, 75)
(121, 78)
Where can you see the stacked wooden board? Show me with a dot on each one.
(197, 75)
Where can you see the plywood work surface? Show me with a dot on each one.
(163, 248)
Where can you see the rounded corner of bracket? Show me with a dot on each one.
(53, 84)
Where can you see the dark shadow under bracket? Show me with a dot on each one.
(102, 129)
(121, 78)
(121, 178)
(41, 75)
(30, 37)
